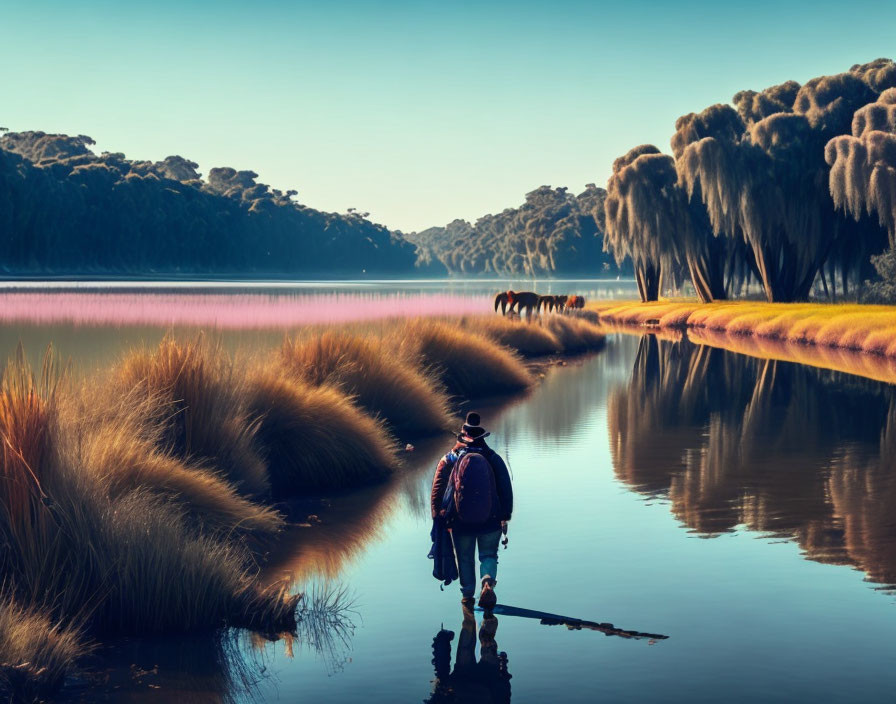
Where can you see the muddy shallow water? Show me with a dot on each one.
(742, 507)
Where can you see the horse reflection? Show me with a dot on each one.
(788, 450)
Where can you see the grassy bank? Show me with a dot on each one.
(854, 327)
(141, 500)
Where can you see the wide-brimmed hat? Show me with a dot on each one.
(471, 430)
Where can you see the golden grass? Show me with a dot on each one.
(576, 335)
(470, 365)
(122, 560)
(571, 333)
(530, 339)
(384, 382)
(123, 460)
(849, 326)
(314, 437)
(203, 406)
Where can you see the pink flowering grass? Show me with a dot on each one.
(240, 311)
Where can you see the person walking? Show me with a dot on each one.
(472, 492)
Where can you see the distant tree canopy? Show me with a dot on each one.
(774, 188)
(66, 210)
(552, 233)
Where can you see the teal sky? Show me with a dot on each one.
(418, 112)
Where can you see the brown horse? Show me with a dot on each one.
(575, 302)
(501, 300)
(523, 300)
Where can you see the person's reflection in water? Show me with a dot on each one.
(486, 681)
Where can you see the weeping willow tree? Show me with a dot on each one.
(863, 164)
(754, 106)
(646, 216)
(716, 253)
(761, 174)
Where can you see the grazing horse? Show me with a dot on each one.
(523, 300)
(575, 302)
(546, 303)
(501, 300)
(560, 303)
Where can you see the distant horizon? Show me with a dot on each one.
(416, 113)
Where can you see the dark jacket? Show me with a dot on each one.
(502, 511)
(444, 567)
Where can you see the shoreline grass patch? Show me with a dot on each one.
(799, 332)
(107, 561)
(314, 437)
(386, 384)
(470, 365)
(532, 339)
(854, 326)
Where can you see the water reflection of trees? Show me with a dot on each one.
(555, 410)
(788, 450)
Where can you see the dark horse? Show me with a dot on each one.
(546, 303)
(508, 300)
(501, 300)
(523, 300)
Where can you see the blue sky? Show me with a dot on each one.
(418, 112)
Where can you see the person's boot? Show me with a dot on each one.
(487, 597)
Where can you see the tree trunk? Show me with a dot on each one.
(824, 283)
(649, 281)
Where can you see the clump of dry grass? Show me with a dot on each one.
(35, 652)
(314, 437)
(110, 561)
(202, 405)
(167, 579)
(386, 384)
(469, 365)
(530, 339)
(120, 444)
(576, 335)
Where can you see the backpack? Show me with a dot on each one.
(472, 483)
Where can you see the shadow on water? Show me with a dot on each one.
(574, 624)
(791, 451)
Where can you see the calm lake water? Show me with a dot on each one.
(92, 323)
(742, 507)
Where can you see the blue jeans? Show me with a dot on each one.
(465, 552)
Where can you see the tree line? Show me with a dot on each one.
(65, 210)
(788, 186)
(552, 232)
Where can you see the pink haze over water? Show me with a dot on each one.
(232, 311)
